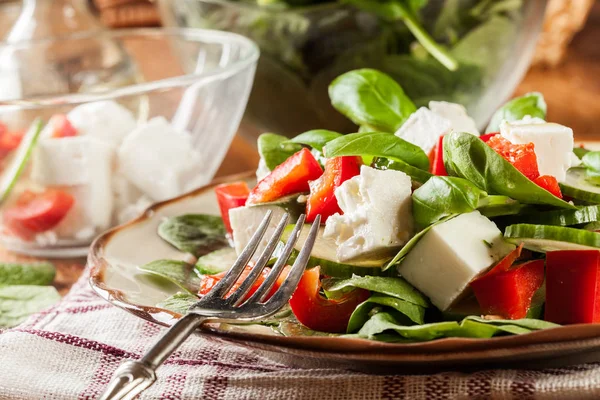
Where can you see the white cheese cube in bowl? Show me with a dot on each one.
(107, 121)
(160, 161)
(423, 128)
(553, 143)
(457, 114)
(377, 214)
(451, 255)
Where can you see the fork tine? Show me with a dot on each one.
(290, 283)
(236, 270)
(264, 289)
(237, 297)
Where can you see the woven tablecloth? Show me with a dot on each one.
(71, 350)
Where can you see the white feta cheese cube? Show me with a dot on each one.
(69, 161)
(160, 161)
(377, 216)
(451, 255)
(423, 128)
(262, 170)
(245, 221)
(457, 114)
(126, 195)
(553, 143)
(107, 121)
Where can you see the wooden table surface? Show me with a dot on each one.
(572, 92)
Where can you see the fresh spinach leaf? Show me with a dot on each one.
(412, 243)
(178, 272)
(41, 273)
(470, 158)
(580, 152)
(179, 302)
(395, 287)
(370, 97)
(378, 144)
(416, 174)
(275, 149)
(591, 160)
(527, 323)
(194, 233)
(18, 302)
(216, 262)
(360, 315)
(441, 196)
(316, 138)
(531, 104)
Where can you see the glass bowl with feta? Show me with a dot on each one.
(95, 127)
(472, 52)
(431, 228)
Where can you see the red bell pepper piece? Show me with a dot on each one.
(9, 141)
(521, 156)
(292, 176)
(508, 292)
(231, 195)
(61, 126)
(487, 136)
(549, 183)
(573, 286)
(436, 159)
(209, 281)
(37, 213)
(321, 199)
(316, 312)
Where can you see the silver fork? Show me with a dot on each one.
(132, 377)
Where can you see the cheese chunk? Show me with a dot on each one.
(457, 114)
(377, 217)
(245, 221)
(451, 255)
(69, 161)
(107, 121)
(423, 128)
(262, 170)
(160, 161)
(553, 143)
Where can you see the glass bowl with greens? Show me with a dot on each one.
(472, 52)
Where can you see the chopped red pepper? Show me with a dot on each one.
(61, 126)
(9, 141)
(231, 195)
(521, 156)
(549, 183)
(316, 312)
(292, 176)
(436, 159)
(209, 281)
(507, 262)
(486, 137)
(508, 292)
(321, 199)
(573, 286)
(39, 213)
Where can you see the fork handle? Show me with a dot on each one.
(132, 377)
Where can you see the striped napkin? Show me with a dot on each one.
(71, 350)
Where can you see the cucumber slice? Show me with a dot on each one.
(578, 187)
(582, 215)
(216, 261)
(17, 164)
(415, 173)
(324, 254)
(543, 238)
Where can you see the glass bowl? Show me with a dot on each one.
(304, 48)
(131, 117)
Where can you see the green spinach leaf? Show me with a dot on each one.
(194, 233)
(591, 160)
(470, 158)
(416, 174)
(580, 152)
(178, 272)
(361, 315)
(41, 273)
(18, 302)
(179, 302)
(316, 138)
(378, 144)
(372, 98)
(441, 196)
(531, 104)
(395, 287)
(275, 149)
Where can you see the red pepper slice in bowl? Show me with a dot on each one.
(292, 176)
(231, 195)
